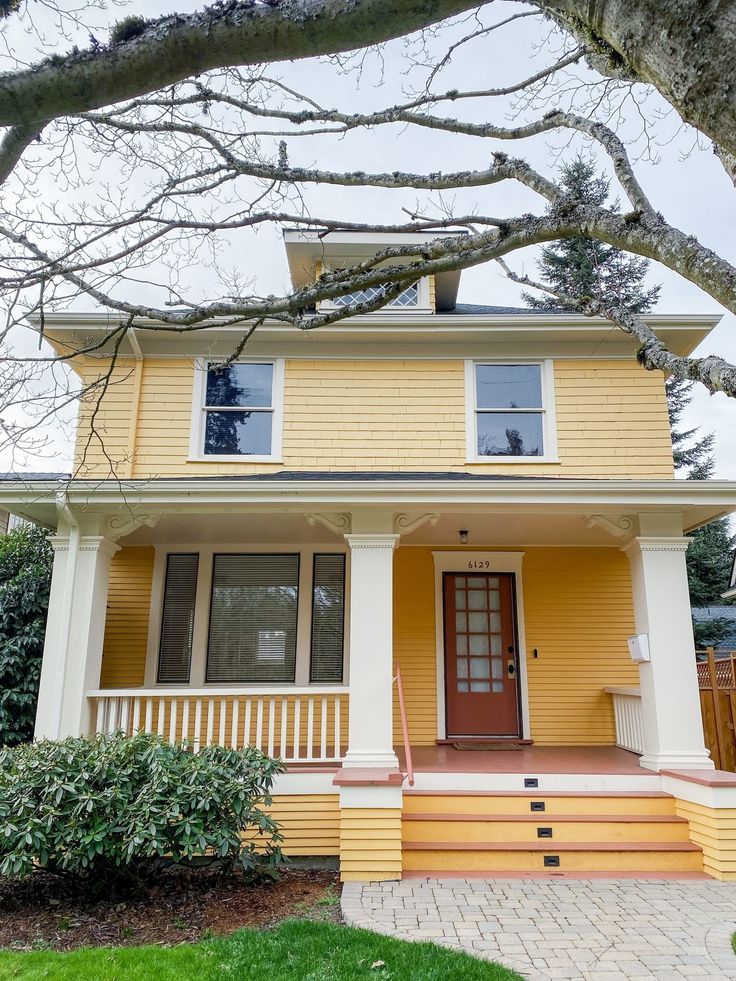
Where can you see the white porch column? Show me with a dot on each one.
(673, 728)
(75, 630)
(370, 727)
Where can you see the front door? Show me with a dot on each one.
(481, 659)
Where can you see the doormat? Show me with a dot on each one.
(492, 747)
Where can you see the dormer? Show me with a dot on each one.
(310, 253)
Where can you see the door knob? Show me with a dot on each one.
(511, 668)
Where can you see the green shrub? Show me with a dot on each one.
(111, 809)
(25, 580)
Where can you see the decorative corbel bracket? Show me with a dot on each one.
(617, 527)
(406, 523)
(339, 522)
(120, 525)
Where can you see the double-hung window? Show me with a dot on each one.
(239, 411)
(511, 411)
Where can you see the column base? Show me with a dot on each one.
(677, 761)
(384, 761)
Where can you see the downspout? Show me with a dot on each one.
(65, 512)
(136, 403)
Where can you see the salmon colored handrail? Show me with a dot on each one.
(404, 728)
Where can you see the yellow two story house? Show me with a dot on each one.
(432, 557)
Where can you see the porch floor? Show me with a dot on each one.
(531, 760)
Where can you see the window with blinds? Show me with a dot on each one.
(177, 618)
(253, 614)
(328, 618)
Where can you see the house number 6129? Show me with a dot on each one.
(479, 564)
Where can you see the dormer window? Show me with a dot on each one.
(408, 298)
(237, 411)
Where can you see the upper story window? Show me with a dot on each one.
(512, 411)
(238, 410)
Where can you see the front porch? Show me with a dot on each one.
(240, 613)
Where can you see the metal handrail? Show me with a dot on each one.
(404, 728)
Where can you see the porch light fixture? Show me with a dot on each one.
(463, 533)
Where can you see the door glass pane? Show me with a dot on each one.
(461, 622)
(482, 686)
(496, 645)
(460, 582)
(479, 667)
(495, 600)
(498, 686)
(496, 668)
(495, 623)
(462, 686)
(461, 644)
(476, 582)
(462, 667)
(477, 621)
(477, 599)
(493, 584)
(479, 644)
(460, 599)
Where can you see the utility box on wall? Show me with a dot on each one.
(639, 648)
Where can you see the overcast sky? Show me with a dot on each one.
(685, 182)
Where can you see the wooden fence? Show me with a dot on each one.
(717, 683)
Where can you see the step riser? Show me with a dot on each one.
(486, 806)
(499, 861)
(567, 831)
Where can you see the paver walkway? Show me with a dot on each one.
(591, 929)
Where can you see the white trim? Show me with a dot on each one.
(200, 637)
(547, 410)
(498, 562)
(196, 433)
(457, 782)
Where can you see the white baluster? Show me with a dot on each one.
(172, 720)
(210, 720)
(234, 723)
(271, 724)
(310, 728)
(338, 738)
(197, 723)
(185, 720)
(223, 715)
(297, 727)
(136, 715)
(284, 722)
(246, 724)
(259, 723)
(161, 721)
(100, 716)
(148, 725)
(323, 730)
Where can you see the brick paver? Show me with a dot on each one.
(584, 929)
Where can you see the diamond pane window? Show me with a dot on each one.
(408, 298)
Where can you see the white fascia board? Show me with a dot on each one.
(564, 494)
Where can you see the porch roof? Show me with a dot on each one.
(39, 497)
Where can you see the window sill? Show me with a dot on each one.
(507, 460)
(242, 458)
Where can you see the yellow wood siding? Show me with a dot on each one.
(370, 843)
(126, 627)
(106, 418)
(578, 613)
(714, 829)
(383, 415)
(310, 823)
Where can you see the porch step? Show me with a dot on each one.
(546, 832)
(519, 803)
(467, 828)
(504, 856)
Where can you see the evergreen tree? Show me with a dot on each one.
(709, 556)
(25, 581)
(579, 267)
(582, 266)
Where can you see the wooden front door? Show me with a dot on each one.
(481, 658)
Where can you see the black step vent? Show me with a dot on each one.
(537, 805)
(544, 832)
(551, 861)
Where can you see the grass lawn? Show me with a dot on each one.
(297, 950)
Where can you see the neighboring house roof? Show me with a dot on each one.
(704, 614)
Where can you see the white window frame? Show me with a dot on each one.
(199, 414)
(547, 409)
(200, 638)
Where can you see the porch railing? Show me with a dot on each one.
(299, 725)
(629, 718)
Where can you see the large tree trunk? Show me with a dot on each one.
(685, 48)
